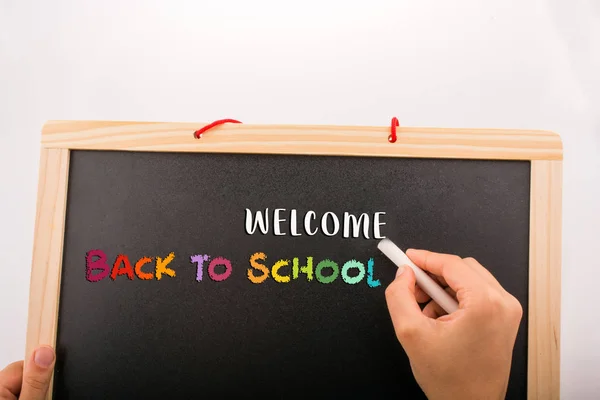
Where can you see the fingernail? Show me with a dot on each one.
(400, 270)
(43, 357)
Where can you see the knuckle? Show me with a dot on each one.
(36, 382)
(471, 260)
(5, 394)
(407, 332)
(393, 290)
(453, 262)
(425, 261)
(498, 303)
(515, 308)
(504, 305)
(491, 303)
(427, 258)
(390, 291)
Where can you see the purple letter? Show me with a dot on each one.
(199, 259)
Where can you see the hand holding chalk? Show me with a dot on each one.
(466, 354)
(429, 286)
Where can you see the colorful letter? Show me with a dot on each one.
(97, 264)
(275, 271)
(199, 260)
(370, 280)
(222, 276)
(161, 266)
(265, 271)
(307, 269)
(126, 270)
(352, 280)
(327, 264)
(138, 269)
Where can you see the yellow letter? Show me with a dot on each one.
(161, 266)
(275, 269)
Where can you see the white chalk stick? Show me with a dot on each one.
(425, 282)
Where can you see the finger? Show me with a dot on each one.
(420, 295)
(481, 270)
(433, 310)
(402, 305)
(37, 374)
(10, 379)
(458, 275)
(438, 279)
(450, 291)
(442, 283)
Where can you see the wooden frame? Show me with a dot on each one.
(543, 149)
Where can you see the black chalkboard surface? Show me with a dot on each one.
(225, 336)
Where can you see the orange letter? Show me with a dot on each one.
(138, 269)
(260, 267)
(126, 270)
(161, 266)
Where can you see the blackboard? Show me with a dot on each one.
(178, 337)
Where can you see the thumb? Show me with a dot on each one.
(37, 374)
(404, 310)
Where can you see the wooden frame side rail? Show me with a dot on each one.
(543, 149)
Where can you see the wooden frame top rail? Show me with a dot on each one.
(501, 144)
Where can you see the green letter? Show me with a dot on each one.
(327, 264)
(352, 280)
(308, 269)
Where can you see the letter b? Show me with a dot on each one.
(92, 265)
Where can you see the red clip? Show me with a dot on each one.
(199, 132)
(393, 136)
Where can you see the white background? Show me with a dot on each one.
(500, 64)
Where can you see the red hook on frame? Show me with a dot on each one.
(393, 136)
(199, 132)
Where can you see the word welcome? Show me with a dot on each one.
(330, 224)
(220, 269)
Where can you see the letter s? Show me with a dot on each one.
(258, 266)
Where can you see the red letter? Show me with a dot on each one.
(97, 264)
(126, 270)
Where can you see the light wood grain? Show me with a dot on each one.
(544, 148)
(309, 139)
(47, 250)
(544, 280)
